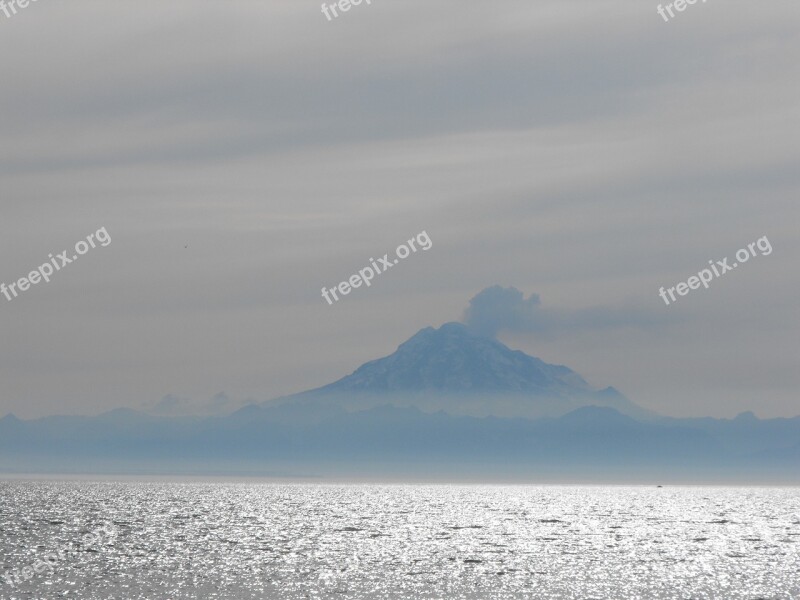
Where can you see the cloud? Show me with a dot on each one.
(589, 137)
(496, 309)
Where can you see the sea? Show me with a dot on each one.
(135, 539)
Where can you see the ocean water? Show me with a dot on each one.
(155, 540)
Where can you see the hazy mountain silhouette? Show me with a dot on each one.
(445, 405)
(456, 370)
(589, 444)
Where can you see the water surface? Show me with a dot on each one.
(255, 540)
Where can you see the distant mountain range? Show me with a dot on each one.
(448, 404)
(588, 444)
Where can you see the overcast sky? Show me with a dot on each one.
(243, 154)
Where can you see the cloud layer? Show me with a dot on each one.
(242, 155)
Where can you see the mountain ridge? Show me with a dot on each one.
(587, 443)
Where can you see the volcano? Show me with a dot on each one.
(458, 371)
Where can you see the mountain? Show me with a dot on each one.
(746, 434)
(446, 405)
(588, 444)
(456, 370)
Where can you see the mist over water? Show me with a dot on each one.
(257, 540)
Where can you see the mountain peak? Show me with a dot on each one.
(453, 359)
(451, 329)
(455, 369)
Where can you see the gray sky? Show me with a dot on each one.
(585, 151)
